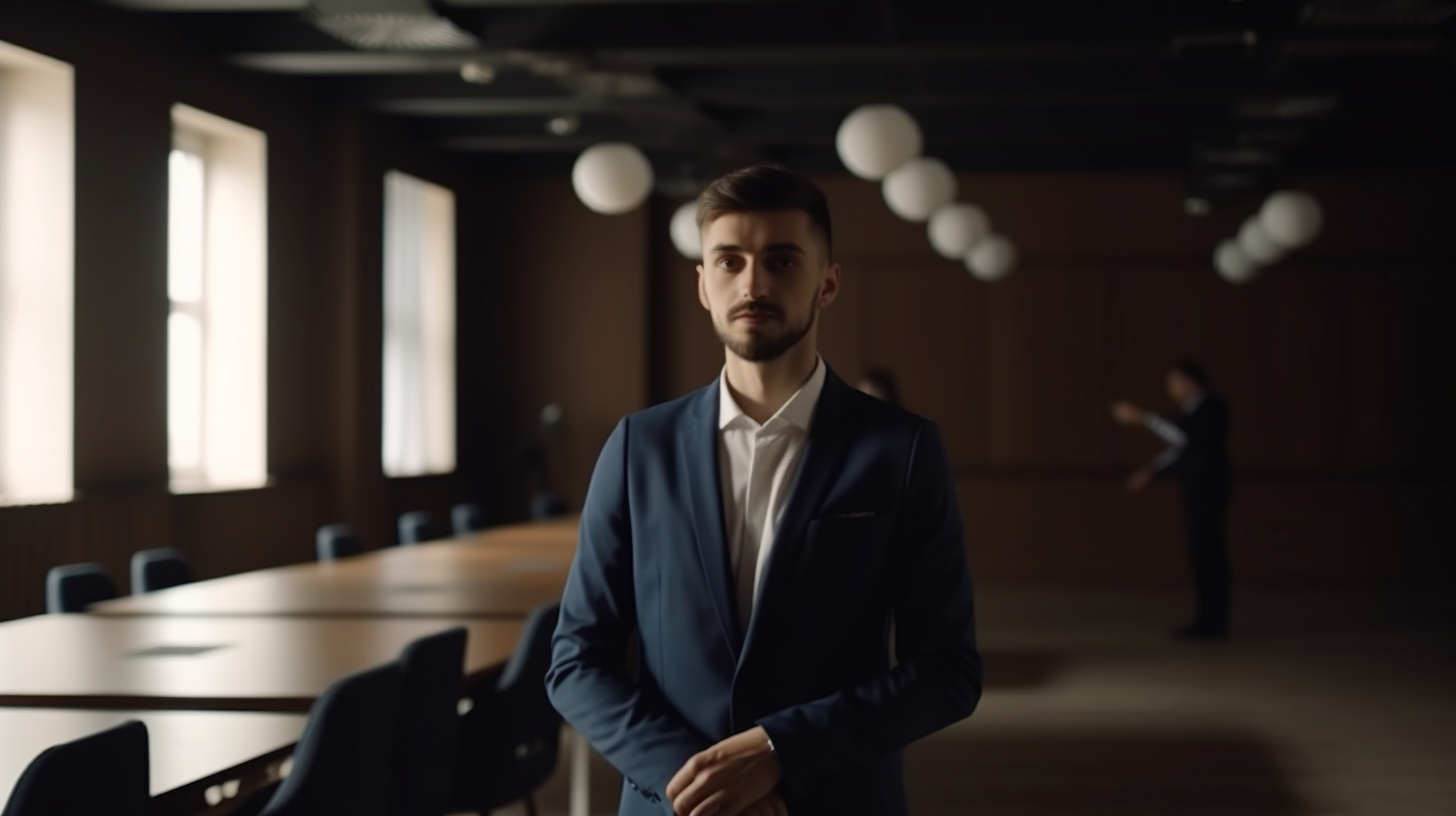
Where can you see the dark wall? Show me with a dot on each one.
(1337, 364)
(554, 308)
(325, 168)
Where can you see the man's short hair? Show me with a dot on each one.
(767, 188)
(1192, 370)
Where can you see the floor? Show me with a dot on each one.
(1321, 703)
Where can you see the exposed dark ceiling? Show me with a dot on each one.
(1234, 92)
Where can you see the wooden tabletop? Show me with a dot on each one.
(501, 572)
(191, 751)
(231, 663)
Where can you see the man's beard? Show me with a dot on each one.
(761, 348)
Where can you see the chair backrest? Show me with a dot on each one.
(510, 739)
(158, 568)
(105, 773)
(414, 527)
(335, 541)
(524, 679)
(73, 587)
(423, 768)
(342, 764)
(466, 517)
(547, 505)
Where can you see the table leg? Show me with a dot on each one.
(580, 752)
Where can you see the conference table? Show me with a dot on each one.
(271, 641)
(199, 759)
(502, 572)
(222, 663)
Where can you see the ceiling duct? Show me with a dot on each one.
(1216, 45)
(1353, 48)
(389, 25)
(1243, 155)
(1286, 107)
(1378, 13)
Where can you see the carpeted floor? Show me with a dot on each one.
(1320, 703)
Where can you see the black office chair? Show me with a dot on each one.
(158, 568)
(547, 505)
(105, 773)
(414, 528)
(424, 749)
(335, 541)
(466, 518)
(73, 587)
(341, 766)
(511, 737)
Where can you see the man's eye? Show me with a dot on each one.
(728, 263)
(783, 262)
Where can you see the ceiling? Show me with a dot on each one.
(1232, 92)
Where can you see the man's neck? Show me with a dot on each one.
(761, 389)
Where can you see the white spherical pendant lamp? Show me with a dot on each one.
(918, 188)
(875, 139)
(684, 231)
(1291, 218)
(1232, 264)
(955, 228)
(992, 258)
(612, 178)
(1256, 245)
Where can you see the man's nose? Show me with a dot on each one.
(754, 280)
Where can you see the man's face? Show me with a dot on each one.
(764, 278)
(1180, 388)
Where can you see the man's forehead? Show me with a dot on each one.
(748, 229)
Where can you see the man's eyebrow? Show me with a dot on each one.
(787, 246)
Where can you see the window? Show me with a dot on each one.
(217, 286)
(419, 327)
(37, 171)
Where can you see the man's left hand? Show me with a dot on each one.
(727, 779)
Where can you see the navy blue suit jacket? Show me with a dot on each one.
(871, 530)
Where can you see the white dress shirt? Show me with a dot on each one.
(1171, 433)
(757, 465)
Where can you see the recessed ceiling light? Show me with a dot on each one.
(1196, 207)
(477, 72)
(564, 125)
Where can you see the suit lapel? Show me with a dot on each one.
(828, 444)
(698, 458)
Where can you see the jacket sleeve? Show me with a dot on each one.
(637, 731)
(938, 677)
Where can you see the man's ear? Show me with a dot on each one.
(702, 289)
(830, 289)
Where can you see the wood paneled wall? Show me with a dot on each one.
(554, 308)
(1337, 363)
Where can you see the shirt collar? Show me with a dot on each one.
(798, 411)
(1191, 404)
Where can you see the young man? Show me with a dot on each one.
(1197, 454)
(757, 537)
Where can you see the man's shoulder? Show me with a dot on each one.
(668, 416)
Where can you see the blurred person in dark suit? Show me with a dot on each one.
(1196, 453)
